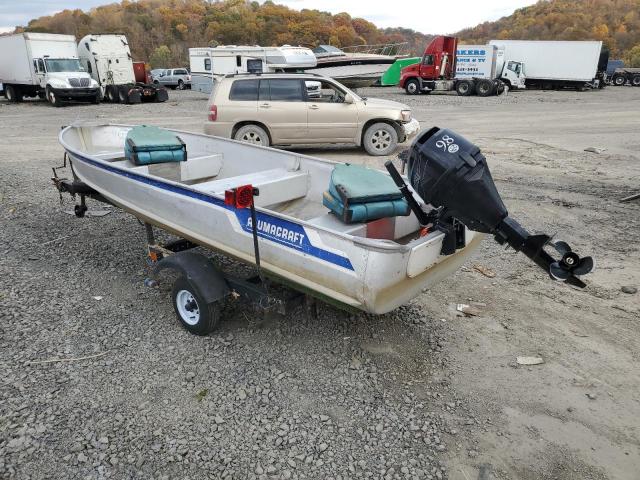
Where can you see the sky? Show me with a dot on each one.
(427, 16)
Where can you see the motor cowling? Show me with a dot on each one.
(450, 173)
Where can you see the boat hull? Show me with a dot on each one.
(366, 274)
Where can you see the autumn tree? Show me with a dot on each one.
(160, 57)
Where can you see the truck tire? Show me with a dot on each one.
(619, 79)
(464, 88)
(12, 93)
(253, 134)
(635, 80)
(111, 94)
(180, 85)
(53, 98)
(412, 87)
(380, 139)
(484, 88)
(123, 95)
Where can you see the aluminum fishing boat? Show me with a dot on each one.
(372, 266)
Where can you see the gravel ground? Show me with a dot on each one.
(100, 381)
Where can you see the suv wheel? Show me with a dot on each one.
(252, 134)
(380, 139)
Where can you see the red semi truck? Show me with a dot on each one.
(437, 72)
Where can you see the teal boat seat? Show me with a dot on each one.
(358, 194)
(146, 145)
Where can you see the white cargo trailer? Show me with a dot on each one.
(44, 65)
(557, 64)
(489, 62)
(208, 62)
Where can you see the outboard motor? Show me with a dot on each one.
(451, 174)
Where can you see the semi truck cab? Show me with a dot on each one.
(467, 69)
(513, 74)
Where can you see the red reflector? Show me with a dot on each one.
(230, 198)
(244, 196)
(213, 113)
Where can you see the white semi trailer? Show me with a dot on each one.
(559, 64)
(489, 62)
(108, 60)
(44, 65)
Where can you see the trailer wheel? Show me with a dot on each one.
(412, 87)
(53, 98)
(12, 94)
(618, 80)
(195, 315)
(484, 88)
(464, 88)
(635, 80)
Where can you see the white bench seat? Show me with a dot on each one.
(276, 186)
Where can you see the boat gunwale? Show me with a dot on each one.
(367, 243)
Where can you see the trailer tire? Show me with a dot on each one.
(619, 80)
(635, 80)
(412, 87)
(53, 98)
(194, 313)
(485, 88)
(12, 94)
(464, 88)
(380, 139)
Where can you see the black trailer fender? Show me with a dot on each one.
(199, 270)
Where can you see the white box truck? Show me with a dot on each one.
(108, 60)
(44, 65)
(558, 64)
(490, 62)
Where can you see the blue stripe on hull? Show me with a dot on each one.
(277, 230)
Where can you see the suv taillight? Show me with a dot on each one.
(213, 113)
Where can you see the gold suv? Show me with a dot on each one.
(290, 109)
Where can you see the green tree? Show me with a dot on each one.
(160, 57)
(633, 57)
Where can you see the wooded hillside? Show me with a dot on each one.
(162, 30)
(615, 22)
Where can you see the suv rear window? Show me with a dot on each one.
(246, 90)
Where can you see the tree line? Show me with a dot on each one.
(614, 22)
(162, 31)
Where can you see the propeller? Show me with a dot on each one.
(570, 265)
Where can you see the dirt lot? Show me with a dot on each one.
(419, 393)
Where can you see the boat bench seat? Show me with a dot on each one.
(276, 186)
(194, 169)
